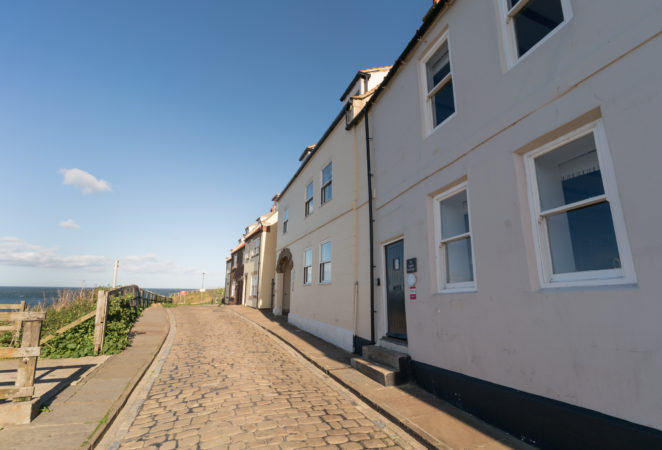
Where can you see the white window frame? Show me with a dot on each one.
(548, 279)
(256, 244)
(321, 270)
(254, 282)
(508, 36)
(324, 201)
(307, 211)
(286, 220)
(428, 96)
(310, 281)
(442, 285)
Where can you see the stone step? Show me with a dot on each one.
(381, 374)
(395, 360)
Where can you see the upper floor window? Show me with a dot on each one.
(327, 182)
(577, 221)
(325, 262)
(308, 266)
(528, 22)
(254, 285)
(438, 83)
(309, 199)
(453, 237)
(286, 219)
(256, 246)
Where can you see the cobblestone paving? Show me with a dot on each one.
(228, 384)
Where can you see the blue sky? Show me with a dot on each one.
(182, 120)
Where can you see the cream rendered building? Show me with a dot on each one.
(322, 271)
(517, 179)
(259, 261)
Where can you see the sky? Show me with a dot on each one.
(154, 132)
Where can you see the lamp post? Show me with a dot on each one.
(203, 286)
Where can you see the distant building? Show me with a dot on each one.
(236, 274)
(259, 261)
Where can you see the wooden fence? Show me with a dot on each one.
(27, 353)
(139, 297)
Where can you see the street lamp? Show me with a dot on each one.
(203, 286)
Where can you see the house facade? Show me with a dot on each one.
(236, 275)
(322, 265)
(516, 155)
(259, 261)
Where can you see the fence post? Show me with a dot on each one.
(27, 366)
(100, 321)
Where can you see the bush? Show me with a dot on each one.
(79, 341)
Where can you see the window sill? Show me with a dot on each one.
(440, 125)
(589, 282)
(458, 290)
(324, 282)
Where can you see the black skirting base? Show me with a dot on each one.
(540, 421)
(359, 342)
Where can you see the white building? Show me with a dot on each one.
(516, 160)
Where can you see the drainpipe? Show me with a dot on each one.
(370, 227)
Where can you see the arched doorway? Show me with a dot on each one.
(283, 282)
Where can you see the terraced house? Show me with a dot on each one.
(323, 261)
(517, 147)
(259, 261)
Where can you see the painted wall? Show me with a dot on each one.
(595, 347)
(328, 310)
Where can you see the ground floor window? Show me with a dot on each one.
(453, 237)
(254, 285)
(325, 262)
(308, 266)
(578, 225)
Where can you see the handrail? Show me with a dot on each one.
(141, 297)
(27, 354)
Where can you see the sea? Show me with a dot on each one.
(34, 295)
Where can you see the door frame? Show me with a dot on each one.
(384, 300)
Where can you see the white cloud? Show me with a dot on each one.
(69, 224)
(84, 181)
(16, 252)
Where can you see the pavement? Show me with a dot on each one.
(433, 422)
(96, 390)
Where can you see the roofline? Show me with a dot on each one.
(328, 131)
(359, 74)
(428, 19)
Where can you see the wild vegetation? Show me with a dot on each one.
(199, 298)
(79, 341)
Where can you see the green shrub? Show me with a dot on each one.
(79, 341)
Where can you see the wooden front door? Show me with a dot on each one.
(395, 290)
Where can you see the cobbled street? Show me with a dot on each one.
(228, 384)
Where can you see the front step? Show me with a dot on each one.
(385, 366)
(381, 374)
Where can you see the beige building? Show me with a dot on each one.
(259, 261)
(322, 272)
(517, 218)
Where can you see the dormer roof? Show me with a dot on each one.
(362, 74)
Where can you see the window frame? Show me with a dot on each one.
(443, 286)
(324, 185)
(254, 284)
(286, 220)
(508, 35)
(309, 281)
(322, 263)
(427, 95)
(604, 277)
(308, 205)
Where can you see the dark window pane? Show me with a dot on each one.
(459, 264)
(569, 174)
(326, 174)
(327, 193)
(583, 239)
(535, 21)
(443, 104)
(438, 66)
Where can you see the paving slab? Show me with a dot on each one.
(434, 422)
(89, 400)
